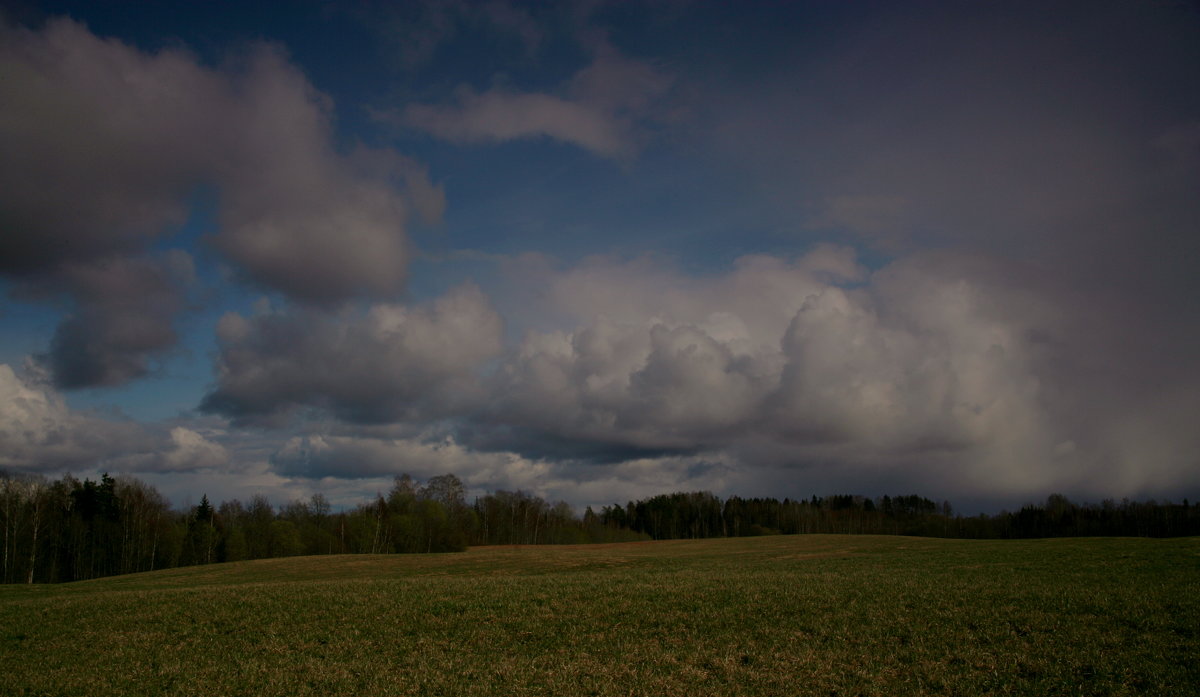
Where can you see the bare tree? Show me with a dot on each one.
(35, 491)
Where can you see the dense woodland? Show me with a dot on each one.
(69, 530)
(701, 514)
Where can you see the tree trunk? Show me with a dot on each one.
(378, 525)
(7, 525)
(37, 519)
(154, 544)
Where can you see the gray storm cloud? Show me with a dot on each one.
(1003, 129)
(940, 367)
(106, 145)
(122, 318)
(807, 353)
(389, 363)
(936, 367)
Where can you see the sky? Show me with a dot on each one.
(599, 251)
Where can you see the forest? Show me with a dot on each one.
(69, 530)
(701, 514)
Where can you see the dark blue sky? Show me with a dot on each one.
(600, 251)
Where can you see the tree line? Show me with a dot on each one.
(701, 514)
(70, 530)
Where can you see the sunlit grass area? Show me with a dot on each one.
(774, 615)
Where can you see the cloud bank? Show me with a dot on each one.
(934, 369)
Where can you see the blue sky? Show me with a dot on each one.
(599, 251)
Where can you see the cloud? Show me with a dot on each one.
(1028, 322)
(371, 461)
(40, 432)
(177, 449)
(298, 216)
(192, 451)
(941, 369)
(107, 143)
(1028, 206)
(920, 371)
(885, 221)
(393, 362)
(998, 129)
(105, 146)
(601, 109)
(353, 456)
(123, 315)
(498, 115)
(102, 143)
(671, 363)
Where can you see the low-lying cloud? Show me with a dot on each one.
(39, 432)
(935, 369)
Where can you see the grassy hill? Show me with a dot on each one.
(792, 615)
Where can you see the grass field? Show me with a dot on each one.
(788, 615)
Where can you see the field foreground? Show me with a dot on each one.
(787, 615)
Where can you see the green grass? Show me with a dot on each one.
(791, 615)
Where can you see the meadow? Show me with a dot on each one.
(780, 615)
